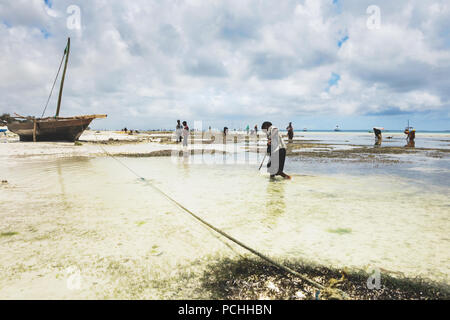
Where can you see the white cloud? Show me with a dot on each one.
(148, 62)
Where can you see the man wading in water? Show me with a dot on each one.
(179, 131)
(185, 134)
(276, 150)
(290, 131)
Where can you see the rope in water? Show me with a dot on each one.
(255, 252)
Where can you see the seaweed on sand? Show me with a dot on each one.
(255, 279)
(8, 234)
(361, 153)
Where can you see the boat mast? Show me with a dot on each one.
(66, 52)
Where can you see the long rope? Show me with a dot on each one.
(255, 252)
(54, 82)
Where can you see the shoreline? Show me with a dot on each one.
(154, 144)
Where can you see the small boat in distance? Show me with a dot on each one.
(52, 128)
(304, 129)
(337, 128)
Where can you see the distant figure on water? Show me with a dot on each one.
(247, 129)
(185, 134)
(225, 132)
(256, 129)
(410, 136)
(290, 131)
(378, 138)
(178, 131)
(276, 150)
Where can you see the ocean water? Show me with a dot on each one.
(440, 140)
(355, 215)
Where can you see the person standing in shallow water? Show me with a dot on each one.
(179, 131)
(225, 132)
(290, 131)
(185, 134)
(276, 150)
(410, 136)
(378, 137)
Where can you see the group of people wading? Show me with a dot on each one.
(276, 148)
(182, 132)
(410, 136)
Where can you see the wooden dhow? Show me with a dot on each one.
(52, 128)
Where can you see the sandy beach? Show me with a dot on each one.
(76, 224)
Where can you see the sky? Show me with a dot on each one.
(315, 63)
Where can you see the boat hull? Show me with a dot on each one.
(51, 129)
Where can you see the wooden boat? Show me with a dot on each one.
(52, 128)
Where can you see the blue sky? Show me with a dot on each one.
(232, 63)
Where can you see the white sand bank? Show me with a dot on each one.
(94, 143)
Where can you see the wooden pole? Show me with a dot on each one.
(34, 130)
(262, 161)
(66, 51)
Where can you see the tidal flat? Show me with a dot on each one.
(75, 223)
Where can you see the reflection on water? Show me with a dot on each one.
(378, 141)
(61, 183)
(381, 218)
(276, 203)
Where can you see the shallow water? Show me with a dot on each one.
(394, 217)
(390, 139)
